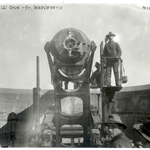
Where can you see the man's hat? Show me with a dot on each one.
(115, 119)
(143, 128)
(110, 34)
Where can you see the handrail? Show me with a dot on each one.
(111, 57)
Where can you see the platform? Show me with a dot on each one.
(111, 89)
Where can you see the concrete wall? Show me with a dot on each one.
(13, 100)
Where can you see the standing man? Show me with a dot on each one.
(143, 129)
(113, 52)
(96, 75)
(115, 128)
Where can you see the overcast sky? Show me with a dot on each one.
(23, 34)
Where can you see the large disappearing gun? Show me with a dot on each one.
(70, 55)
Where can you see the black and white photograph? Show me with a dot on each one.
(75, 74)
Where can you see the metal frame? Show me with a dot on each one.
(83, 93)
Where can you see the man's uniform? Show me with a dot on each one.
(121, 141)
